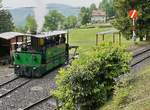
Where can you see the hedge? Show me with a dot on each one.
(89, 82)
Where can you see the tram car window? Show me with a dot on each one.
(62, 39)
(57, 37)
(45, 52)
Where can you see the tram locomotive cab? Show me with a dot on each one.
(41, 53)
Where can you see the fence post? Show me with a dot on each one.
(103, 37)
(96, 39)
(119, 38)
(113, 38)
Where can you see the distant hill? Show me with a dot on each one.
(20, 14)
(64, 9)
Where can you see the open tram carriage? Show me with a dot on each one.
(41, 53)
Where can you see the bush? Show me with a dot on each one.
(89, 82)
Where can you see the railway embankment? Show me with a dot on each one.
(133, 91)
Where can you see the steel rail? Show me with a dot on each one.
(7, 82)
(15, 88)
(139, 54)
(36, 103)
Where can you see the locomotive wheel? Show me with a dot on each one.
(37, 73)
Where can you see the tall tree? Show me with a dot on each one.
(70, 22)
(31, 24)
(124, 23)
(107, 6)
(6, 20)
(53, 21)
(93, 7)
(85, 15)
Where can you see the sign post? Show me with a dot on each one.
(133, 14)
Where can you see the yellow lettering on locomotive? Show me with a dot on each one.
(41, 42)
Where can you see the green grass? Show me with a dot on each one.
(132, 94)
(86, 38)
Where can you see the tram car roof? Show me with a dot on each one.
(108, 32)
(10, 35)
(49, 34)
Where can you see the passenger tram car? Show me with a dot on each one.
(38, 54)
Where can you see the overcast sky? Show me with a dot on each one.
(28, 3)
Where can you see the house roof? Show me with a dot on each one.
(108, 32)
(10, 35)
(98, 13)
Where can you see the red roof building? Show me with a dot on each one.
(98, 16)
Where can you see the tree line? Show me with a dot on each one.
(105, 5)
(54, 20)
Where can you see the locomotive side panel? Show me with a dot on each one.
(29, 59)
(55, 56)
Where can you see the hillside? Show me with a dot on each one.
(132, 94)
(66, 10)
(20, 14)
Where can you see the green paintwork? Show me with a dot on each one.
(54, 51)
(30, 67)
(29, 59)
(55, 56)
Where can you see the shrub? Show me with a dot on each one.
(89, 82)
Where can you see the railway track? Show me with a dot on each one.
(139, 57)
(38, 102)
(9, 81)
(12, 85)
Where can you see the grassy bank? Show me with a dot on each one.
(133, 93)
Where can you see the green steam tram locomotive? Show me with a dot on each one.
(37, 54)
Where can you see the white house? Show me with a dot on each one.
(98, 16)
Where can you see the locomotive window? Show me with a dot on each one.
(50, 42)
(34, 42)
(57, 39)
(62, 39)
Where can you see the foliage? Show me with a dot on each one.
(20, 29)
(124, 23)
(70, 22)
(89, 81)
(53, 21)
(6, 20)
(31, 24)
(107, 6)
(131, 92)
(85, 15)
(93, 7)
